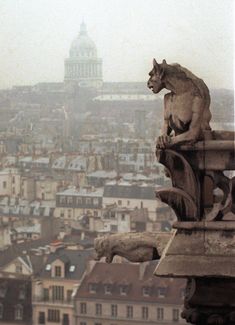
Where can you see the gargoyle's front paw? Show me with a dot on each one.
(163, 141)
(109, 259)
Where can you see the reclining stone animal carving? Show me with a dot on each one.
(186, 106)
(136, 247)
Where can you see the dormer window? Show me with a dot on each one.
(18, 268)
(92, 287)
(108, 289)
(58, 271)
(72, 268)
(146, 291)
(123, 290)
(161, 292)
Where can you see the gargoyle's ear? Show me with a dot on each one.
(156, 66)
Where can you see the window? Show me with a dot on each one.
(95, 201)
(41, 317)
(70, 200)
(128, 202)
(107, 289)
(146, 291)
(22, 293)
(88, 200)
(62, 200)
(4, 184)
(129, 311)
(145, 312)
(18, 268)
(123, 290)
(69, 295)
(65, 320)
(98, 309)
(161, 292)
(114, 310)
(57, 293)
(175, 315)
(119, 202)
(123, 217)
(92, 287)
(79, 200)
(1, 311)
(46, 294)
(160, 313)
(69, 213)
(53, 315)
(58, 271)
(13, 180)
(82, 323)
(18, 312)
(72, 268)
(83, 308)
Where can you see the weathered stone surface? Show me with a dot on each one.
(187, 243)
(185, 266)
(200, 249)
(136, 247)
(188, 98)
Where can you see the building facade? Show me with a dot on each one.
(55, 285)
(124, 293)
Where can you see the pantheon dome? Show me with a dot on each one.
(83, 65)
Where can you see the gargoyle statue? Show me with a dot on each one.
(136, 247)
(186, 106)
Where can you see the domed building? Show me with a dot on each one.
(83, 66)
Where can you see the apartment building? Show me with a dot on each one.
(132, 196)
(124, 293)
(72, 204)
(54, 287)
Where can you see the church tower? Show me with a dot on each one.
(83, 66)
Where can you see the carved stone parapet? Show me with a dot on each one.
(196, 170)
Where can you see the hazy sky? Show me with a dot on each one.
(35, 37)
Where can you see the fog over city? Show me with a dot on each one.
(36, 36)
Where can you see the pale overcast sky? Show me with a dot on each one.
(36, 35)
